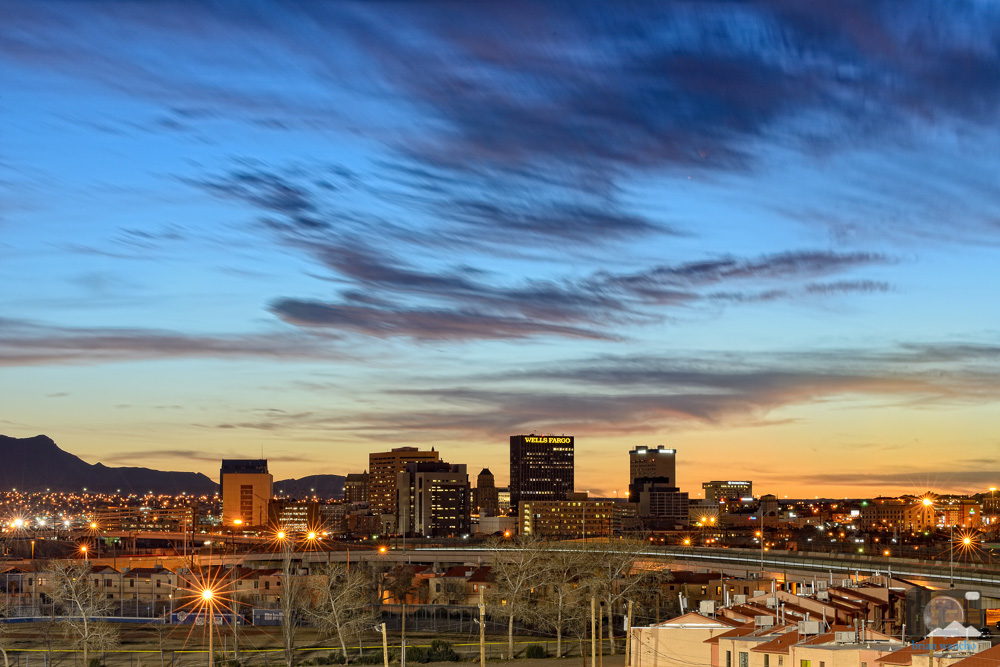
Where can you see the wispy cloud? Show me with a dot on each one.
(25, 343)
(645, 394)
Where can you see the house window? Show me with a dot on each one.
(267, 585)
(729, 659)
(131, 583)
(157, 583)
(767, 660)
(744, 659)
(781, 659)
(804, 663)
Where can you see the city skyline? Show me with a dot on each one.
(763, 235)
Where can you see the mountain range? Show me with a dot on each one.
(38, 464)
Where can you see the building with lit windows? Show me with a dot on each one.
(433, 499)
(487, 499)
(356, 487)
(653, 462)
(573, 518)
(906, 513)
(247, 488)
(541, 467)
(294, 516)
(727, 492)
(383, 468)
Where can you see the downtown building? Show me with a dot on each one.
(541, 468)
(356, 487)
(383, 469)
(653, 488)
(433, 499)
(487, 498)
(576, 518)
(246, 488)
(727, 492)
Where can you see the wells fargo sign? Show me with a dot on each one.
(549, 440)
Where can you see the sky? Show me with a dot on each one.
(766, 234)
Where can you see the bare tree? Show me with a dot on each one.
(564, 567)
(238, 602)
(340, 604)
(292, 600)
(400, 582)
(6, 609)
(517, 568)
(617, 576)
(84, 603)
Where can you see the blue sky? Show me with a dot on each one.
(763, 233)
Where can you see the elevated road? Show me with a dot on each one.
(793, 566)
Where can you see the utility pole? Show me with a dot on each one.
(482, 627)
(385, 646)
(951, 553)
(628, 636)
(593, 632)
(600, 635)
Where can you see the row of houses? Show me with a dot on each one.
(838, 626)
(153, 591)
(143, 591)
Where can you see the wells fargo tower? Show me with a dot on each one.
(541, 467)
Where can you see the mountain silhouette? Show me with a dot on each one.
(37, 464)
(323, 486)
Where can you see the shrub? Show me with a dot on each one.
(441, 651)
(94, 662)
(535, 651)
(375, 658)
(417, 654)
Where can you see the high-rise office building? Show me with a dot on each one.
(653, 462)
(433, 499)
(356, 487)
(383, 467)
(247, 488)
(487, 498)
(653, 487)
(541, 467)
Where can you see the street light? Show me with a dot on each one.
(83, 550)
(207, 598)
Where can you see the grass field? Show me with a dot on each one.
(44, 645)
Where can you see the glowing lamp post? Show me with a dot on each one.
(83, 550)
(207, 598)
